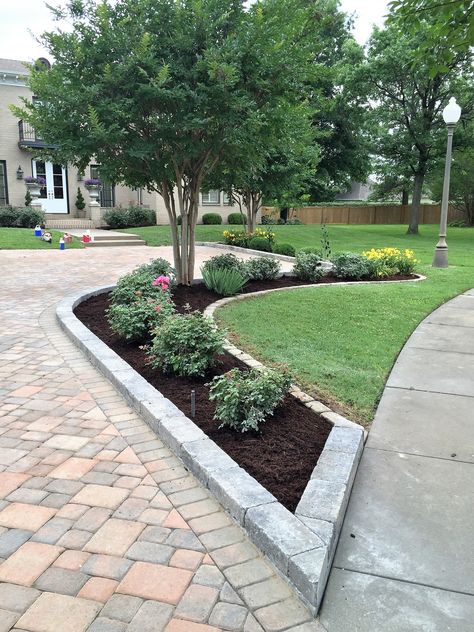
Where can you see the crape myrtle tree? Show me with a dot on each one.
(406, 103)
(158, 91)
(280, 167)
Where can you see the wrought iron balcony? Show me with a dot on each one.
(29, 137)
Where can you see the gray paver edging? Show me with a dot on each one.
(300, 545)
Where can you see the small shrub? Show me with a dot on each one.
(223, 281)
(186, 345)
(268, 220)
(263, 268)
(294, 221)
(350, 265)
(325, 244)
(130, 217)
(457, 223)
(212, 218)
(284, 249)
(308, 267)
(140, 216)
(134, 321)
(139, 283)
(27, 217)
(80, 202)
(246, 398)
(236, 218)
(28, 198)
(236, 238)
(116, 217)
(260, 243)
(227, 261)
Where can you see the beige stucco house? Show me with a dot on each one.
(58, 197)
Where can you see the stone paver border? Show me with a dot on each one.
(300, 545)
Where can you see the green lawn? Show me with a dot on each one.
(24, 239)
(341, 342)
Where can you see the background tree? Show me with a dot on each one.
(461, 189)
(450, 28)
(406, 104)
(159, 91)
(339, 113)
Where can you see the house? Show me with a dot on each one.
(58, 197)
(358, 191)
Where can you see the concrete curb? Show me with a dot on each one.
(301, 546)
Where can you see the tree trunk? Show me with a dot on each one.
(405, 197)
(416, 203)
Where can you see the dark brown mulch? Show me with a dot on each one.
(283, 455)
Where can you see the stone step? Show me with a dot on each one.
(116, 237)
(114, 242)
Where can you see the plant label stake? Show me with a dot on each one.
(193, 403)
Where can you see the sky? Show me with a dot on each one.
(18, 17)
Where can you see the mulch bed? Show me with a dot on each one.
(283, 455)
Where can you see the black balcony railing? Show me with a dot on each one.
(29, 137)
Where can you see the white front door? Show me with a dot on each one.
(53, 195)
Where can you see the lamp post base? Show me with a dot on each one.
(440, 259)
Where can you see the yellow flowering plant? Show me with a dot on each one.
(242, 239)
(386, 262)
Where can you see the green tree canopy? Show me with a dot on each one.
(158, 91)
(406, 104)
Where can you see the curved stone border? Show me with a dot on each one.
(301, 546)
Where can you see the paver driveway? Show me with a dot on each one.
(101, 528)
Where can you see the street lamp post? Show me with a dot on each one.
(451, 115)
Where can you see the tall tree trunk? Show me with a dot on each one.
(416, 203)
(405, 197)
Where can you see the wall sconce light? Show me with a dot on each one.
(19, 173)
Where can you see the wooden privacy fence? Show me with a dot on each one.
(383, 214)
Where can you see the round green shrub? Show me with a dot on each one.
(212, 218)
(284, 249)
(308, 267)
(140, 216)
(294, 221)
(310, 250)
(236, 218)
(350, 265)
(186, 344)
(262, 268)
(116, 217)
(227, 261)
(134, 321)
(260, 243)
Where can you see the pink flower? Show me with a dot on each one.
(158, 309)
(162, 281)
(155, 282)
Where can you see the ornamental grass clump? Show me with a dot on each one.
(308, 267)
(224, 281)
(385, 262)
(244, 399)
(186, 345)
(262, 268)
(350, 265)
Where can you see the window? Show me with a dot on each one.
(41, 173)
(107, 189)
(212, 197)
(3, 183)
(227, 199)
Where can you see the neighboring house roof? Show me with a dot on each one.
(13, 65)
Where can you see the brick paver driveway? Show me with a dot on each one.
(101, 527)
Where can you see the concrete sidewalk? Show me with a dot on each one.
(405, 560)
